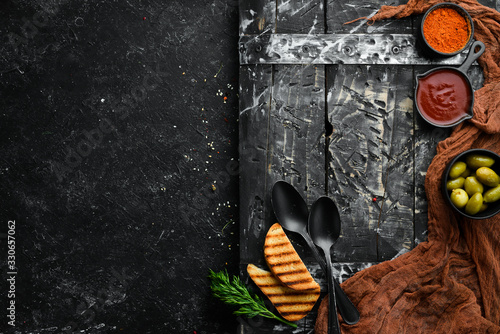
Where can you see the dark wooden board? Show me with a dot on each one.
(325, 110)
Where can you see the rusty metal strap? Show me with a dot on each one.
(392, 49)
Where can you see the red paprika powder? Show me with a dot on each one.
(446, 30)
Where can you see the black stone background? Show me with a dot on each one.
(113, 130)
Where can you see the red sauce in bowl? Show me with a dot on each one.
(444, 96)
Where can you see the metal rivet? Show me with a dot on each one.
(305, 49)
(347, 50)
(396, 49)
(258, 48)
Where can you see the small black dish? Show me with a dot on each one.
(429, 50)
(493, 208)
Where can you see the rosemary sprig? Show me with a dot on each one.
(236, 293)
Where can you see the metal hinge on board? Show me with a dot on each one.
(392, 49)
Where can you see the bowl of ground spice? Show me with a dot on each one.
(447, 29)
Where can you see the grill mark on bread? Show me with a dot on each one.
(292, 304)
(268, 285)
(284, 261)
(298, 293)
(299, 271)
(287, 314)
(279, 244)
(280, 255)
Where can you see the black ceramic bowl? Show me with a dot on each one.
(493, 208)
(429, 49)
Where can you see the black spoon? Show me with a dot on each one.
(292, 213)
(324, 227)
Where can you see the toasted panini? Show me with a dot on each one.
(293, 305)
(284, 262)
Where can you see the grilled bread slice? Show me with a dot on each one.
(284, 261)
(293, 305)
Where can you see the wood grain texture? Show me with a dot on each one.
(255, 97)
(295, 141)
(371, 150)
(300, 17)
(297, 128)
(281, 138)
(294, 135)
(257, 16)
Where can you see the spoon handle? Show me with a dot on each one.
(315, 251)
(333, 319)
(347, 310)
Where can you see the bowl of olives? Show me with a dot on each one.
(471, 183)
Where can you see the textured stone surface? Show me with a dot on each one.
(118, 152)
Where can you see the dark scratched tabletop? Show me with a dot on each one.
(118, 144)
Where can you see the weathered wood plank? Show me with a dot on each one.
(296, 151)
(295, 146)
(257, 16)
(340, 12)
(395, 228)
(297, 123)
(255, 97)
(297, 128)
(395, 49)
(364, 108)
(300, 16)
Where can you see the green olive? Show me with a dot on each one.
(487, 177)
(455, 183)
(492, 195)
(474, 204)
(466, 173)
(472, 186)
(475, 161)
(483, 207)
(456, 169)
(459, 198)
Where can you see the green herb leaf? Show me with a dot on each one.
(234, 292)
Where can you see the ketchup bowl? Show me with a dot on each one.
(444, 96)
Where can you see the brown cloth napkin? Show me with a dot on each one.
(450, 283)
